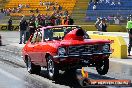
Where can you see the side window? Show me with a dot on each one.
(34, 37)
(39, 37)
(48, 34)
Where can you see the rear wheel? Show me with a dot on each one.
(52, 69)
(102, 66)
(31, 68)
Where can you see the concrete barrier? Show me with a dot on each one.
(118, 46)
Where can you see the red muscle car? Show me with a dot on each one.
(65, 48)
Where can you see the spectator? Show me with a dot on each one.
(20, 6)
(47, 5)
(71, 21)
(103, 25)
(113, 2)
(36, 22)
(41, 22)
(41, 3)
(23, 28)
(97, 24)
(119, 3)
(62, 20)
(66, 13)
(47, 21)
(5, 12)
(27, 6)
(32, 17)
(31, 11)
(117, 21)
(107, 1)
(59, 8)
(91, 1)
(39, 16)
(94, 7)
(32, 26)
(37, 11)
(129, 29)
(96, 1)
(57, 21)
(54, 8)
(101, 1)
(65, 21)
(2, 11)
(56, 4)
(10, 24)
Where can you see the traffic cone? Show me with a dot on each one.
(0, 40)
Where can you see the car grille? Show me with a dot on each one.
(83, 49)
(86, 49)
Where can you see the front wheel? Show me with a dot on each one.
(52, 69)
(102, 66)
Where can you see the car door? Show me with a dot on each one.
(31, 48)
(38, 49)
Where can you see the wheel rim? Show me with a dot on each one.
(101, 66)
(51, 68)
(28, 65)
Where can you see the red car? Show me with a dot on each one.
(65, 48)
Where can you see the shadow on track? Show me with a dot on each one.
(70, 79)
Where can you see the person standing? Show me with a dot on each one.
(71, 21)
(32, 26)
(36, 22)
(97, 24)
(57, 20)
(129, 29)
(10, 24)
(103, 25)
(23, 28)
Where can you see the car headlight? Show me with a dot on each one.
(61, 51)
(106, 48)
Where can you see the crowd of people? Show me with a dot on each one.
(39, 21)
(17, 9)
(101, 24)
(51, 5)
(110, 2)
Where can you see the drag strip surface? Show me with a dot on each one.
(13, 70)
(13, 73)
(13, 67)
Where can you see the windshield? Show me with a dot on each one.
(57, 33)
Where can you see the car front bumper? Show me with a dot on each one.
(82, 55)
(70, 61)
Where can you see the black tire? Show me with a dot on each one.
(71, 71)
(31, 68)
(52, 69)
(102, 66)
